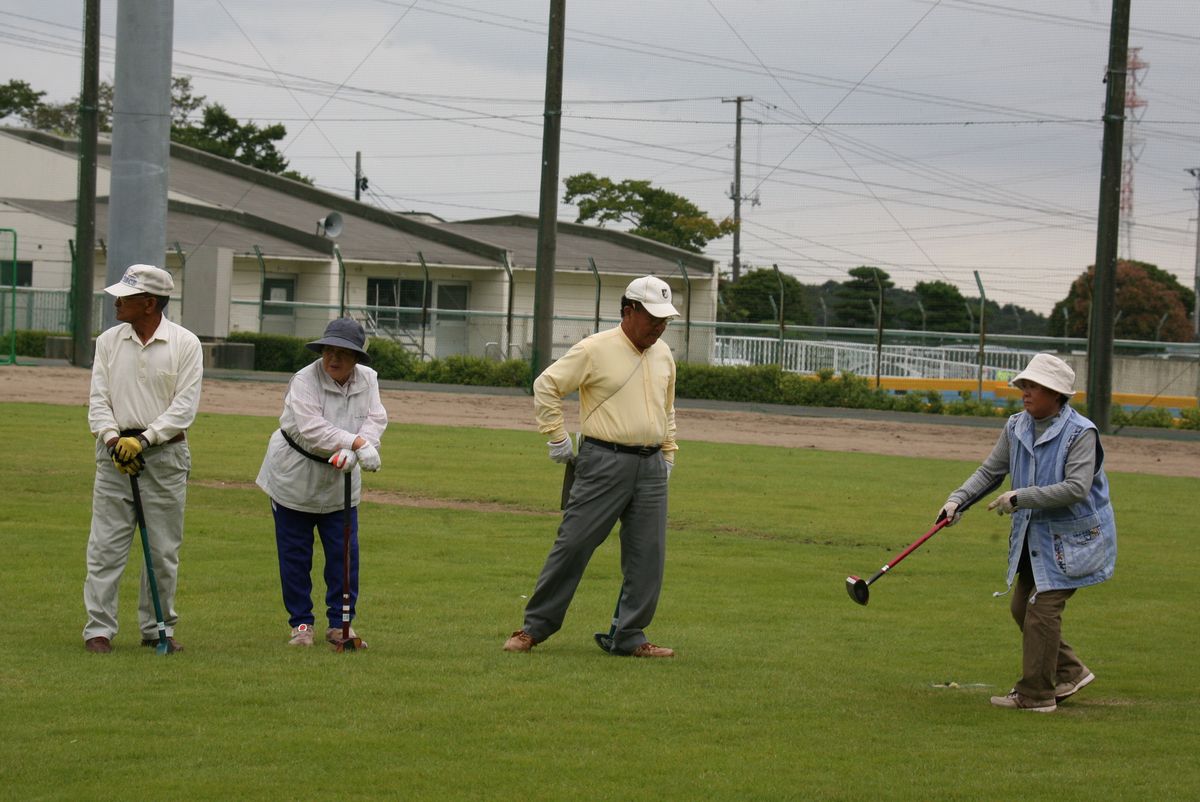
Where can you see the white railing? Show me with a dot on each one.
(805, 356)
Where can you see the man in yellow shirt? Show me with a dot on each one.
(626, 382)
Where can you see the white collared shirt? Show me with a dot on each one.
(153, 386)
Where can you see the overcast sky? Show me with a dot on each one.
(953, 137)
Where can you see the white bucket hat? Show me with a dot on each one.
(654, 294)
(1050, 372)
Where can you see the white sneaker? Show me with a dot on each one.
(334, 635)
(1064, 689)
(1015, 701)
(302, 635)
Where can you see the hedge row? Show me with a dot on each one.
(764, 384)
(276, 352)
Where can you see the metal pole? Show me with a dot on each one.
(1100, 324)
(878, 332)
(83, 263)
(424, 302)
(779, 278)
(687, 313)
(508, 308)
(337, 252)
(1195, 172)
(12, 338)
(262, 287)
(543, 296)
(596, 274)
(982, 329)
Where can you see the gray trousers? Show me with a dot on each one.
(163, 488)
(609, 486)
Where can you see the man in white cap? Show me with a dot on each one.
(626, 382)
(1063, 536)
(144, 395)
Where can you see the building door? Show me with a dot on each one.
(450, 319)
(278, 318)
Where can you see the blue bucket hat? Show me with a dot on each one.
(343, 333)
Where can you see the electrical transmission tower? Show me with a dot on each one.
(1135, 107)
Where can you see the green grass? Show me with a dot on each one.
(784, 689)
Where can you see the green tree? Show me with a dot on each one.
(1144, 294)
(750, 299)
(853, 299)
(653, 212)
(220, 133)
(18, 98)
(944, 305)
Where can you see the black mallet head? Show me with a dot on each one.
(858, 589)
(604, 640)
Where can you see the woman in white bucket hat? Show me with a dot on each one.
(1063, 534)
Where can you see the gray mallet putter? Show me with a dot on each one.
(605, 639)
(346, 643)
(163, 646)
(859, 589)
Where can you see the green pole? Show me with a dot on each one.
(424, 302)
(596, 273)
(262, 286)
(12, 339)
(341, 281)
(687, 314)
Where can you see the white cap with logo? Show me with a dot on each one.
(143, 278)
(652, 293)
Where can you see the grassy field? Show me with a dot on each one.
(783, 688)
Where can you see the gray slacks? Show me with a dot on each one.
(609, 486)
(163, 489)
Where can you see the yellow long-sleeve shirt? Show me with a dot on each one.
(625, 395)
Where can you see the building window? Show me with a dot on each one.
(390, 292)
(24, 274)
(278, 289)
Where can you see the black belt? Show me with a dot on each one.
(179, 438)
(641, 451)
(296, 446)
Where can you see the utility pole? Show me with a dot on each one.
(735, 189)
(547, 241)
(1100, 330)
(83, 270)
(360, 180)
(1195, 173)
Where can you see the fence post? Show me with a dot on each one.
(982, 329)
(687, 319)
(262, 286)
(424, 302)
(508, 314)
(878, 332)
(341, 281)
(779, 278)
(12, 338)
(596, 273)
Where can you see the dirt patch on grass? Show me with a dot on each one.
(66, 385)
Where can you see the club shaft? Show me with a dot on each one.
(916, 544)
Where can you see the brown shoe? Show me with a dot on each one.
(172, 644)
(98, 645)
(648, 649)
(521, 641)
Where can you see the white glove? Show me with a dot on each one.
(561, 452)
(950, 512)
(368, 458)
(670, 467)
(1005, 502)
(344, 460)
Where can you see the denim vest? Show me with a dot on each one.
(1072, 546)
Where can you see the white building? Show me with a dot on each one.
(247, 254)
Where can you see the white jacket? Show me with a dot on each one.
(322, 417)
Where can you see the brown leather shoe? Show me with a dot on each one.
(98, 645)
(648, 649)
(172, 644)
(521, 641)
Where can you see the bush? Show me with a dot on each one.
(30, 343)
(761, 383)
(1189, 419)
(275, 352)
(392, 360)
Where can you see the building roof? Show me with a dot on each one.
(219, 202)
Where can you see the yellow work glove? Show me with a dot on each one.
(127, 448)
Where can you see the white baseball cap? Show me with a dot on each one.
(1050, 372)
(652, 293)
(143, 278)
